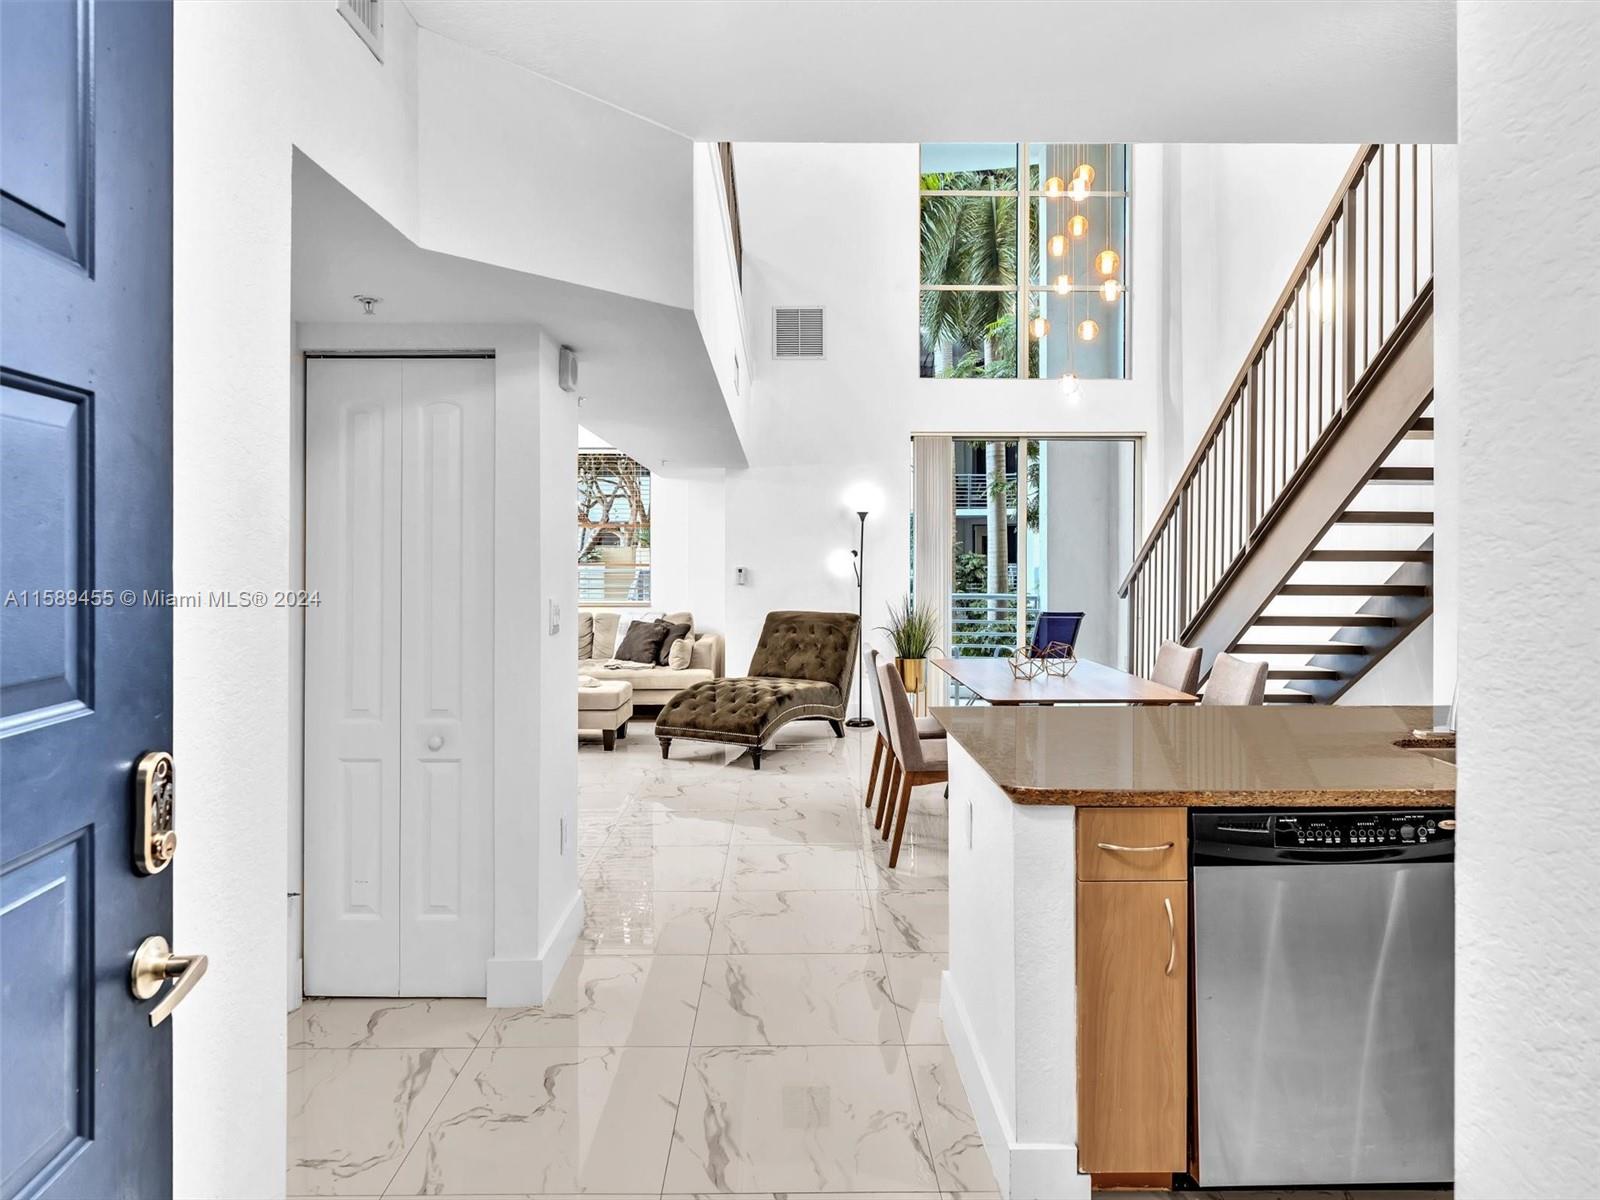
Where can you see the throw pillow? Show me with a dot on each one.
(676, 632)
(585, 636)
(682, 651)
(642, 642)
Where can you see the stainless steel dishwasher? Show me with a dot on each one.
(1324, 996)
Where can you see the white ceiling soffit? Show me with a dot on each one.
(647, 383)
(990, 70)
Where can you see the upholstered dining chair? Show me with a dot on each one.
(919, 760)
(1236, 681)
(1177, 666)
(883, 751)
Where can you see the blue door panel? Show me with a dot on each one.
(85, 533)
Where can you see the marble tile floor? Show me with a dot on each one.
(751, 1011)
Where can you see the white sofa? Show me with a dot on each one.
(652, 685)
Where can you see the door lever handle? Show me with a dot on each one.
(153, 964)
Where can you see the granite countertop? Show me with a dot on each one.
(1269, 756)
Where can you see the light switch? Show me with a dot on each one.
(555, 618)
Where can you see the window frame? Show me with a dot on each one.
(1024, 289)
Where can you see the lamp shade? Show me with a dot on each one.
(863, 496)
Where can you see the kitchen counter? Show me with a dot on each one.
(1020, 780)
(1191, 757)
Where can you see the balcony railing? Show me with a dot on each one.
(1363, 279)
(972, 488)
(984, 624)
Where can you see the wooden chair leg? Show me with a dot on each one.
(891, 780)
(872, 779)
(900, 821)
(902, 787)
(666, 744)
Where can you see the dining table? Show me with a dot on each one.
(993, 681)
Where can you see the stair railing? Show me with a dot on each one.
(1363, 280)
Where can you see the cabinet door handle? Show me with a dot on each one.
(1161, 849)
(1172, 935)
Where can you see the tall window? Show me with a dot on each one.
(1024, 272)
(613, 529)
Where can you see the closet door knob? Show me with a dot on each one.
(435, 742)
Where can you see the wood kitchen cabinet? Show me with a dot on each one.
(1133, 1044)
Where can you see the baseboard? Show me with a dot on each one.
(563, 937)
(523, 982)
(1023, 1170)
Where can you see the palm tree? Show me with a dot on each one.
(970, 240)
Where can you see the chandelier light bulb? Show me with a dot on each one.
(1107, 261)
(1038, 327)
(1085, 172)
(1071, 388)
(1054, 186)
(1063, 284)
(1111, 289)
(1078, 188)
(1078, 225)
(1088, 330)
(1058, 245)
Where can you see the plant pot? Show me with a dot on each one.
(911, 673)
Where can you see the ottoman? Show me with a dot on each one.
(606, 707)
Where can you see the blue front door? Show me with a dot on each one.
(85, 551)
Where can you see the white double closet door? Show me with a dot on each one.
(399, 675)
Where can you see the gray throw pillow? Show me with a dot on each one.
(675, 634)
(642, 642)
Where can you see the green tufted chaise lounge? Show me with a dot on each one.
(800, 671)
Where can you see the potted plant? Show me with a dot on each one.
(911, 628)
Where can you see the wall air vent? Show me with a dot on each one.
(797, 333)
(366, 18)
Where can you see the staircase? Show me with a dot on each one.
(1301, 531)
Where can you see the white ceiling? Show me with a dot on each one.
(637, 360)
(1000, 70)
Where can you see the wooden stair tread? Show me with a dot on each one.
(1304, 673)
(1366, 516)
(1350, 619)
(1289, 698)
(1422, 427)
(1397, 556)
(1300, 648)
(1354, 589)
(1403, 475)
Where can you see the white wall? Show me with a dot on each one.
(1243, 216)
(688, 542)
(837, 225)
(250, 81)
(522, 172)
(1527, 1026)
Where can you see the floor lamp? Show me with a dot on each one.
(858, 559)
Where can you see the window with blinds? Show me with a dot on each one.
(613, 529)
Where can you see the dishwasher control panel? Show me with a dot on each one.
(1322, 835)
(1360, 829)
